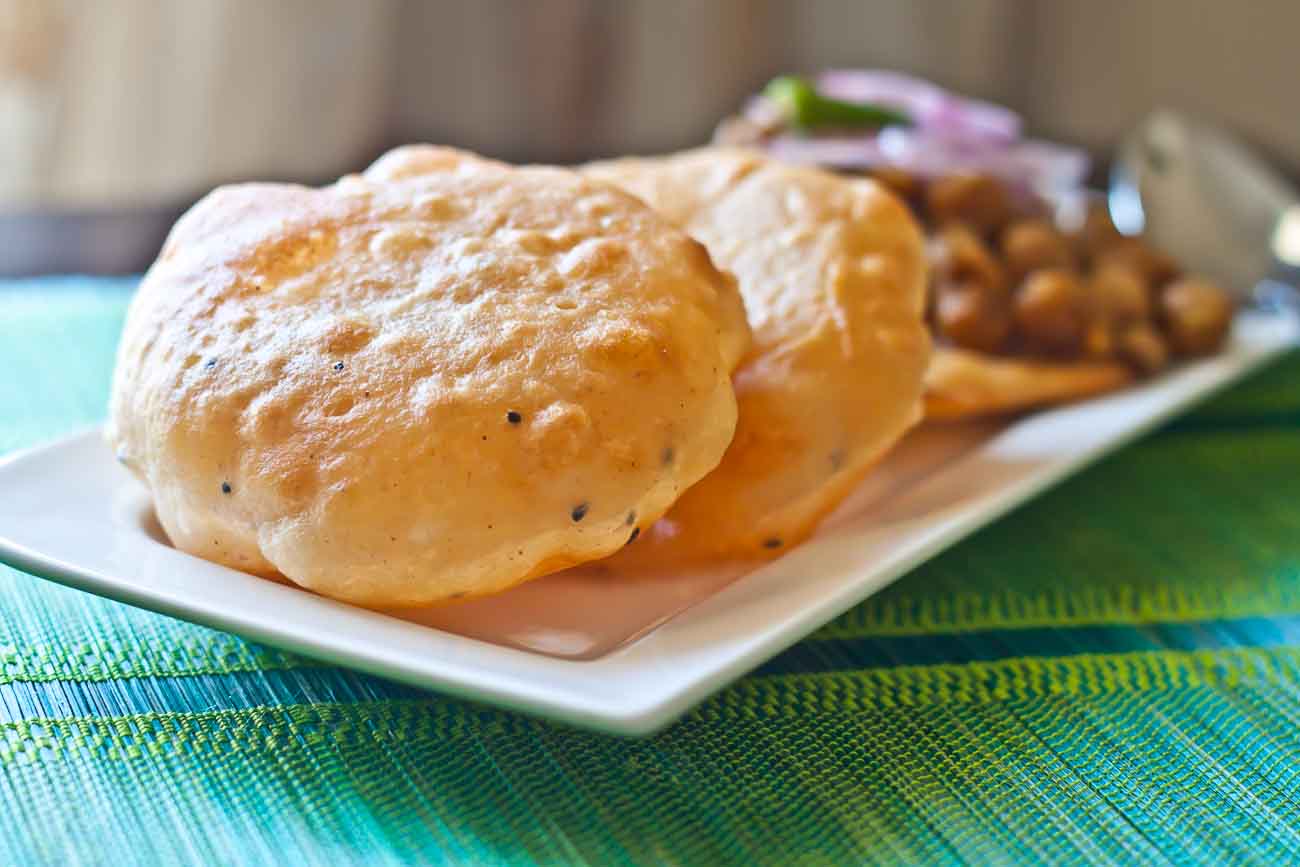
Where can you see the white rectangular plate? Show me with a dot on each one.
(71, 514)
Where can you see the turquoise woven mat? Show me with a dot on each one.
(1108, 675)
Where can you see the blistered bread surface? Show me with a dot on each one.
(832, 273)
(417, 385)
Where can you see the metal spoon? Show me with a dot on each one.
(1204, 198)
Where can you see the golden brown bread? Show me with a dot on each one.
(439, 379)
(832, 272)
(962, 384)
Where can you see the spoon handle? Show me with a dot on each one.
(1278, 294)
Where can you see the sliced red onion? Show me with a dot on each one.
(1038, 166)
(929, 106)
(949, 134)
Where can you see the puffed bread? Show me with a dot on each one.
(411, 387)
(832, 271)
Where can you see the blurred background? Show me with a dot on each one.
(116, 114)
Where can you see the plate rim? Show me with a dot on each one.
(566, 691)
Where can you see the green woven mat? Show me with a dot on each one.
(1108, 675)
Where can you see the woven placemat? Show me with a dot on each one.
(1110, 674)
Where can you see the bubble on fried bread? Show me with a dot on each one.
(372, 344)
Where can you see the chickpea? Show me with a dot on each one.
(1050, 310)
(971, 316)
(978, 200)
(902, 183)
(1030, 245)
(1118, 294)
(1143, 347)
(958, 255)
(1097, 232)
(1099, 339)
(1196, 314)
(1155, 267)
